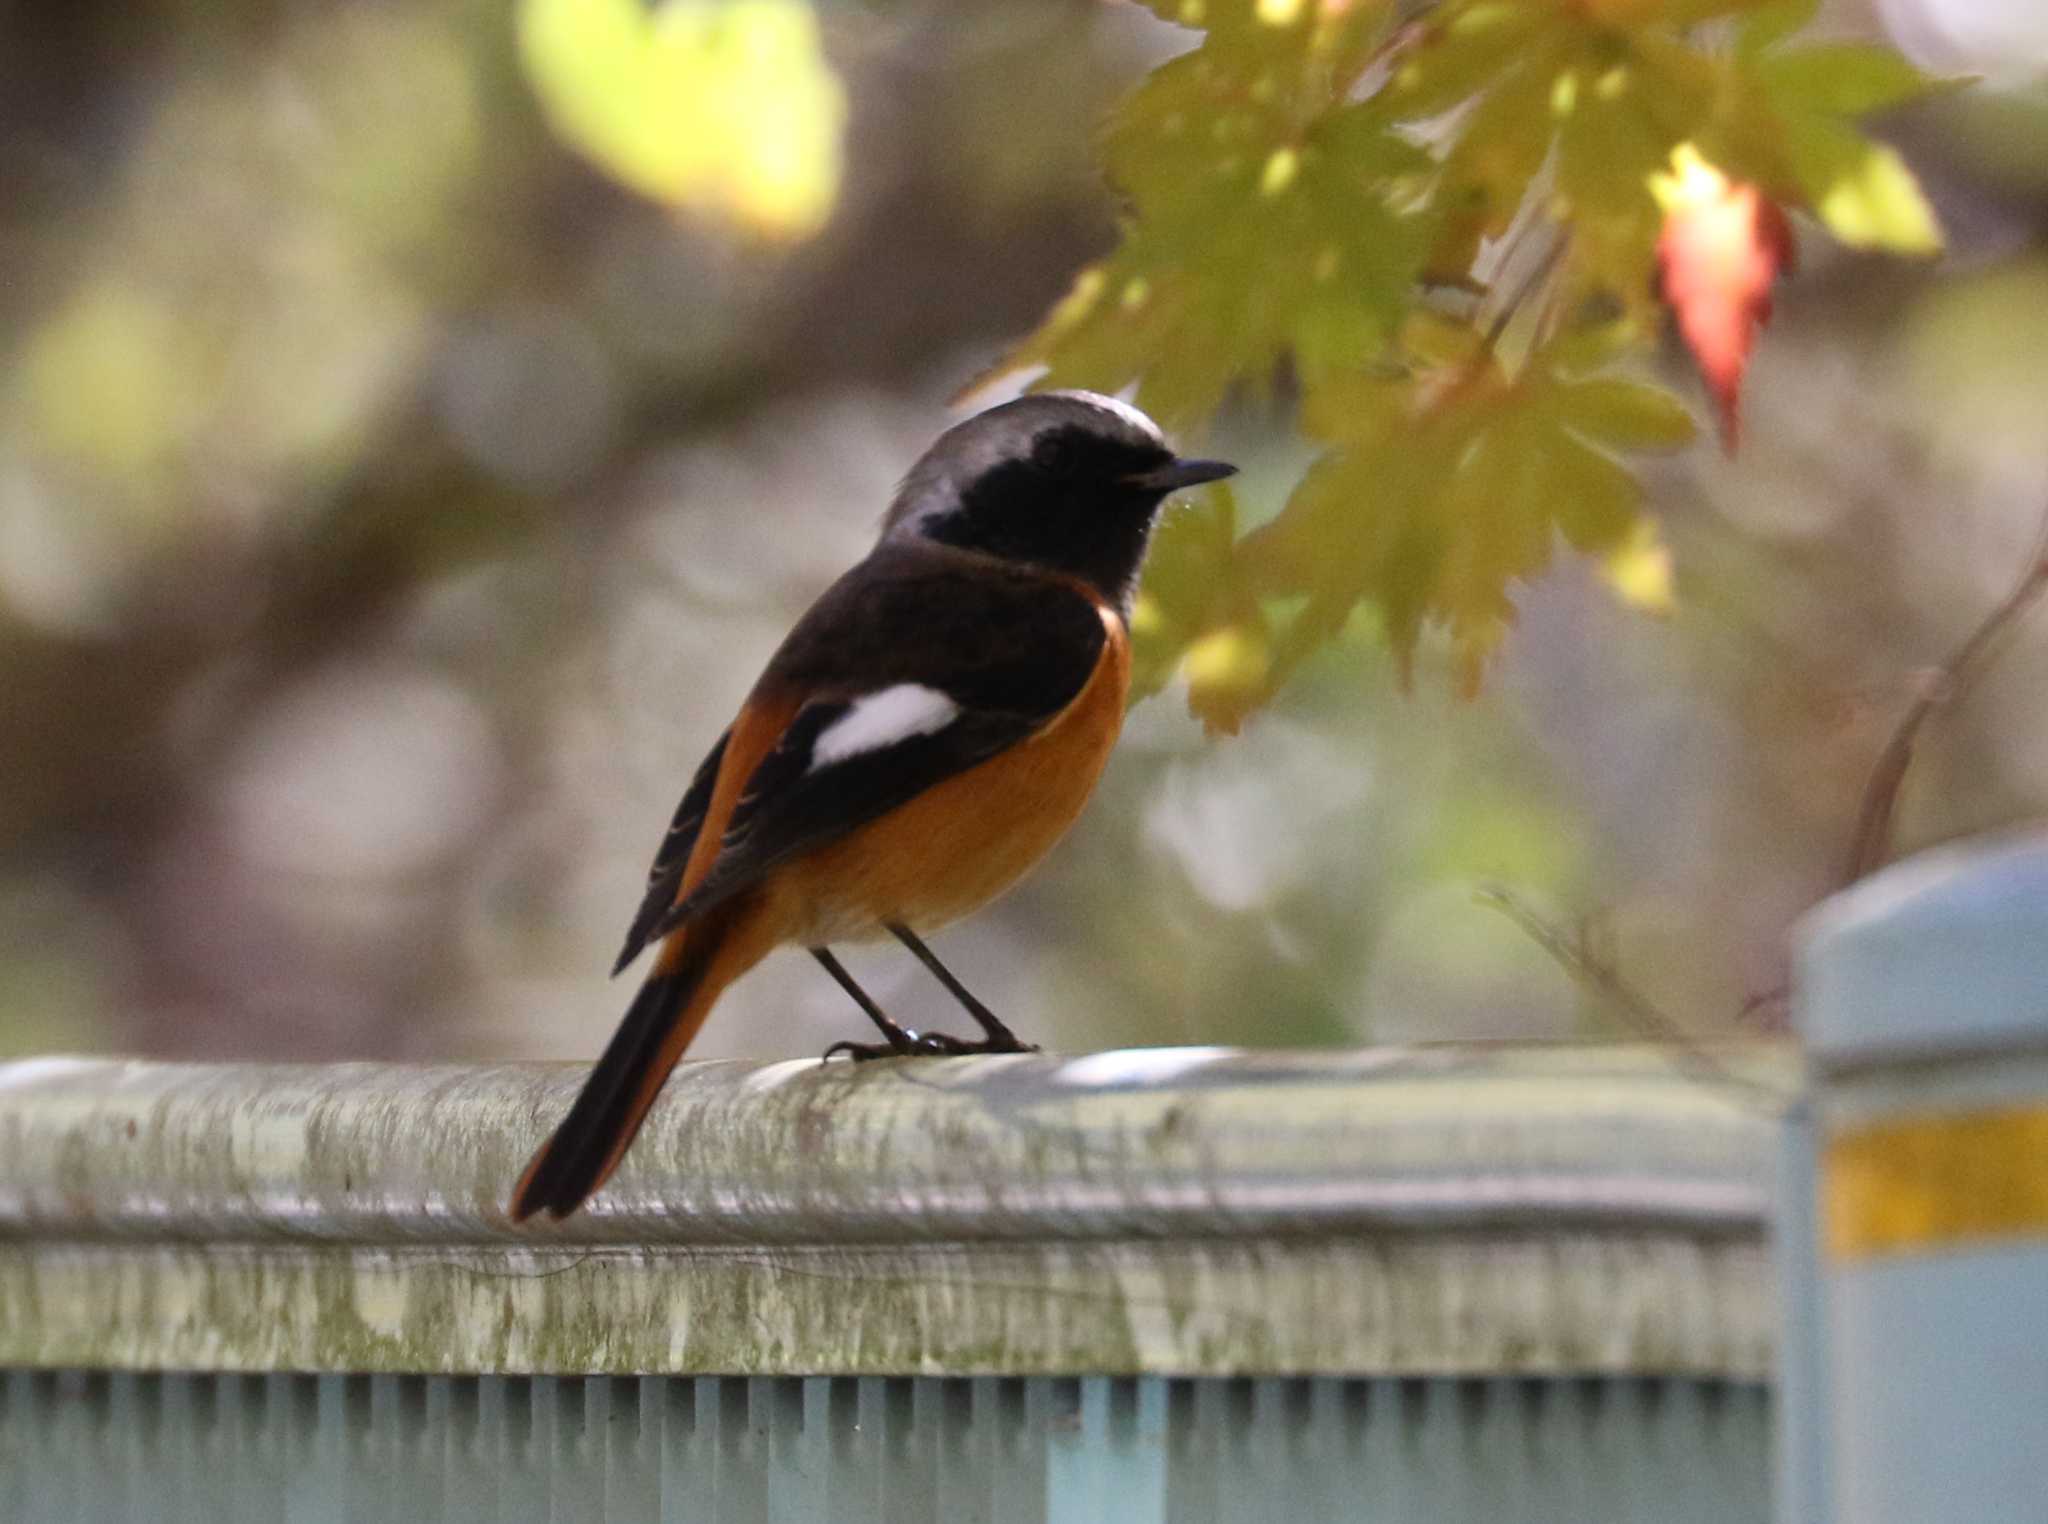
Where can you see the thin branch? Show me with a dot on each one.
(1539, 272)
(1771, 1003)
(1598, 975)
(1870, 846)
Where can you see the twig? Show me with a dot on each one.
(1539, 272)
(1599, 976)
(1772, 1002)
(1870, 846)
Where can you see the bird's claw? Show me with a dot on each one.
(922, 1045)
(1009, 1043)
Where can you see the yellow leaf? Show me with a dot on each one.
(1877, 204)
(1188, 574)
(725, 108)
(113, 380)
(1791, 128)
(1639, 570)
(1227, 673)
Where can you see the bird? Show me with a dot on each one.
(919, 741)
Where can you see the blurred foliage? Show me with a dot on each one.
(1308, 184)
(725, 107)
(396, 499)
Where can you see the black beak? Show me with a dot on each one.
(1176, 474)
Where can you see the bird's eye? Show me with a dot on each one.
(1053, 454)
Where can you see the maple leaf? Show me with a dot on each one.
(1444, 489)
(1723, 245)
(1230, 673)
(1319, 181)
(1563, 114)
(1197, 614)
(1788, 122)
(1268, 219)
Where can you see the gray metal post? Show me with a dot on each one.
(1924, 1005)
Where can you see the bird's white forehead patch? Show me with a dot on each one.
(882, 719)
(1118, 409)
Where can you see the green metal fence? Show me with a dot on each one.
(1184, 1285)
(891, 1450)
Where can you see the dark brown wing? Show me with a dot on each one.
(666, 876)
(1009, 649)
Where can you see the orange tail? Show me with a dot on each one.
(696, 964)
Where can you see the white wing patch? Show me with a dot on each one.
(882, 719)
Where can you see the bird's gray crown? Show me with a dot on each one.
(972, 448)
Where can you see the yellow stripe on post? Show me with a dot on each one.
(1935, 1182)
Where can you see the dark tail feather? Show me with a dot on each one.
(615, 1099)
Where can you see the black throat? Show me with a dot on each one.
(1066, 509)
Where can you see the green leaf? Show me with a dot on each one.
(1607, 151)
(1769, 25)
(1188, 566)
(1790, 127)
(1270, 225)
(1293, 182)
(1499, 148)
(1681, 14)
(1624, 415)
(1595, 345)
(1593, 497)
(1433, 511)
(1844, 78)
(1612, 105)
(1457, 57)
(1876, 203)
(1196, 614)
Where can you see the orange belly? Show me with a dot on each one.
(957, 846)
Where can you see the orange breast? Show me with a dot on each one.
(960, 844)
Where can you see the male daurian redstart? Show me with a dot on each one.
(922, 738)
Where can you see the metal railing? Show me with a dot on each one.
(1147, 1285)
(1445, 1284)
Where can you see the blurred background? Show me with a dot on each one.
(394, 504)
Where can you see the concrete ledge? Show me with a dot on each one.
(1507, 1210)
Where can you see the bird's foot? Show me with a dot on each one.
(1003, 1042)
(925, 1045)
(859, 1052)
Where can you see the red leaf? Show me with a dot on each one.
(1723, 245)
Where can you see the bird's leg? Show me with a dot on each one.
(999, 1038)
(901, 1041)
